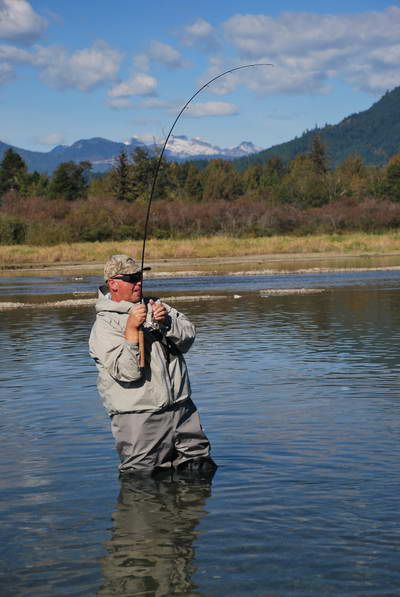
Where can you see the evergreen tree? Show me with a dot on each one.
(12, 171)
(70, 181)
(318, 156)
(274, 170)
(193, 188)
(121, 175)
(142, 172)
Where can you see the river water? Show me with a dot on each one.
(299, 395)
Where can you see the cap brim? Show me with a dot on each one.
(145, 269)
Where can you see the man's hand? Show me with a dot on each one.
(137, 316)
(159, 311)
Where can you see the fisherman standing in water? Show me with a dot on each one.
(155, 423)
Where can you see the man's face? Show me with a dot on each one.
(122, 290)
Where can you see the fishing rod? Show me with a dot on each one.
(153, 186)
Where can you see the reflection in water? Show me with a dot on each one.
(154, 526)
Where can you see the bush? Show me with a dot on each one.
(12, 230)
(48, 233)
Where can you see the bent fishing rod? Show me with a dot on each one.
(158, 166)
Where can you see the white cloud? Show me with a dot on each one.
(146, 138)
(223, 85)
(308, 49)
(137, 84)
(6, 72)
(14, 54)
(389, 55)
(9, 56)
(51, 139)
(160, 104)
(141, 63)
(167, 55)
(199, 110)
(120, 103)
(194, 110)
(287, 79)
(372, 80)
(201, 33)
(256, 36)
(19, 22)
(83, 69)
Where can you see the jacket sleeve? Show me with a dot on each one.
(178, 329)
(112, 352)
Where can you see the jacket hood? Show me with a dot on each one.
(104, 302)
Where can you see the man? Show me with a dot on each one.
(153, 419)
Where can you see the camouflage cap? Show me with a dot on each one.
(121, 264)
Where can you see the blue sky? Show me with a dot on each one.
(71, 70)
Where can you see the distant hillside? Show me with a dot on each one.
(374, 134)
(102, 152)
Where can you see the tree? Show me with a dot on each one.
(251, 177)
(392, 184)
(274, 170)
(318, 156)
(351, 175)
(221, 181)
(70, 181)
(142, 172)
(35, 184)
(193, 188)
(121, 176)
(302, 185)
(12, 171)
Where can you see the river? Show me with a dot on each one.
(299, 395)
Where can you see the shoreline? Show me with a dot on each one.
(291, 262)
(235, 266)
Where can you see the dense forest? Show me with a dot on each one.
(301, 196)
(373, 134)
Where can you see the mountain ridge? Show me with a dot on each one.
(102, 152)
(374, 134)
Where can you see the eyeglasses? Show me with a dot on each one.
(132, 278)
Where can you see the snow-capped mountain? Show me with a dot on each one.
(182, 148)
(102, 152)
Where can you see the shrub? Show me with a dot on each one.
(12, 230)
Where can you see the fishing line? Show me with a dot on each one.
(153, 186)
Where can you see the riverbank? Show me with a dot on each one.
(213, 256)
(214, 249)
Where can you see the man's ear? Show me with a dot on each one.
(112, 285)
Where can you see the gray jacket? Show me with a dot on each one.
(122, 385)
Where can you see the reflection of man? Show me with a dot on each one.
(154, 421)
(151, 548)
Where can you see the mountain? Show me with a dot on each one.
(182, 148)
(374, 134)
(101, 152)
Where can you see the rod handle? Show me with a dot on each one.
(141, 348)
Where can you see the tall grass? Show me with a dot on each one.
(203, 247)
